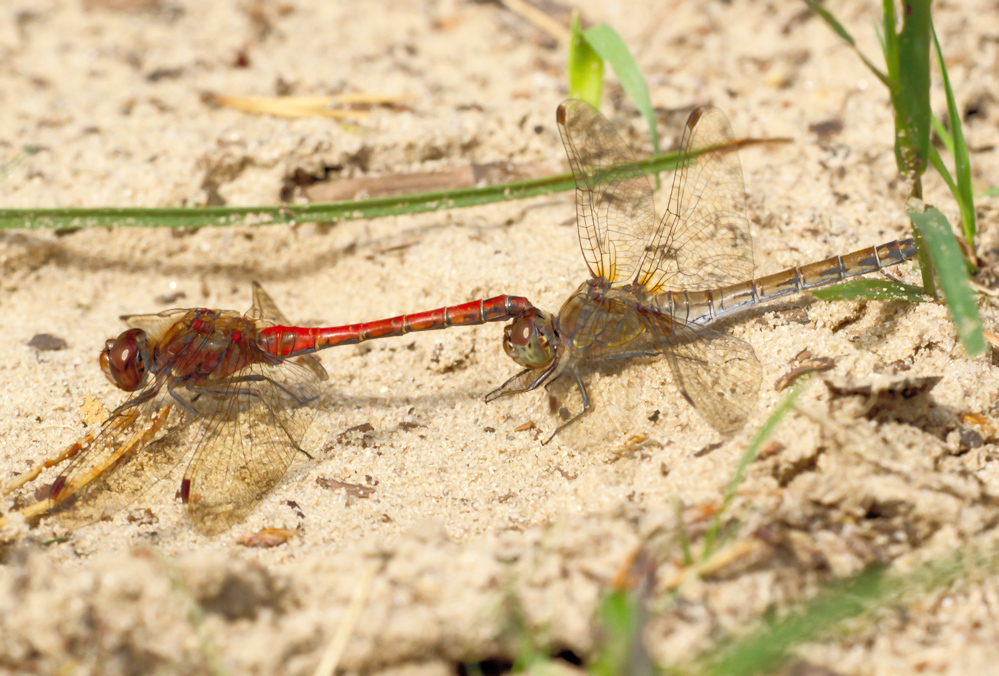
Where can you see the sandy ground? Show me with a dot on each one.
(472, 523)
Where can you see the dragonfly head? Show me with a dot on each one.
(124, 359)
(531, 339)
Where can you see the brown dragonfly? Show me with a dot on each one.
(657, 284)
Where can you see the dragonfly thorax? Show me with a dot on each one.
(601, 315)
(531, 340)
(124, 360)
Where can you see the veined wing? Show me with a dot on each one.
(155, 325)
(245, 435)
(137, 445)
(720, 374)
(704, 240)
(253, 425)
(265, 311)
(615, 213)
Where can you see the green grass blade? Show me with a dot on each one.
(586, 68)
(198, 217)
(925, 265)
(681, 528)
(748, 456)
(324, 212)
(942, 132)
(990, 192)
(871, 289)
(911, 97)
(838, 28)
(621, 650)
(959, 149)
(889, 43)
(766, 649)
(879, 34)
(937, 162)
(952, 273)
(611, 48)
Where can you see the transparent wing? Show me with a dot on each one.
(615, 213)
(136, 446)
(254, 423)
(704, 241)
(155, 325)
(265, 311)
(241, 432)
(720, 375)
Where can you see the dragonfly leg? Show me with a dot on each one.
(221, 390)
(892, 277)
(253, 393)
(505, 389)
(186, 406)
(300, 401)
(629, 355)
(142, 398)
(586, 404)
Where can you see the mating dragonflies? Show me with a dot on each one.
(656, 284)
(245, 388)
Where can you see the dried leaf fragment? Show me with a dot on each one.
(265, 537)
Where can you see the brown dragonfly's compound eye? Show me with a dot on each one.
(526, 341)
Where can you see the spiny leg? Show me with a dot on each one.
(502, 390)
(583, 395)
(256, 378)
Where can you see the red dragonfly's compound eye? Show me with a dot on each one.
(124, 360)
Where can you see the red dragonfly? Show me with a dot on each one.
(246, 387)
(655, 285)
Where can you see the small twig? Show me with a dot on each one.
(289, 106)
(334, 651)
(719, 560)
(981, 288)
(541, 20)
(193, 613)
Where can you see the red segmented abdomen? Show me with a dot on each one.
(288, 341)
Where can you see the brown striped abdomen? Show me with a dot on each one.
(704, 307)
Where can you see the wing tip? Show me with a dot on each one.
(694, 117)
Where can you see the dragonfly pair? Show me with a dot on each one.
(245, 386)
